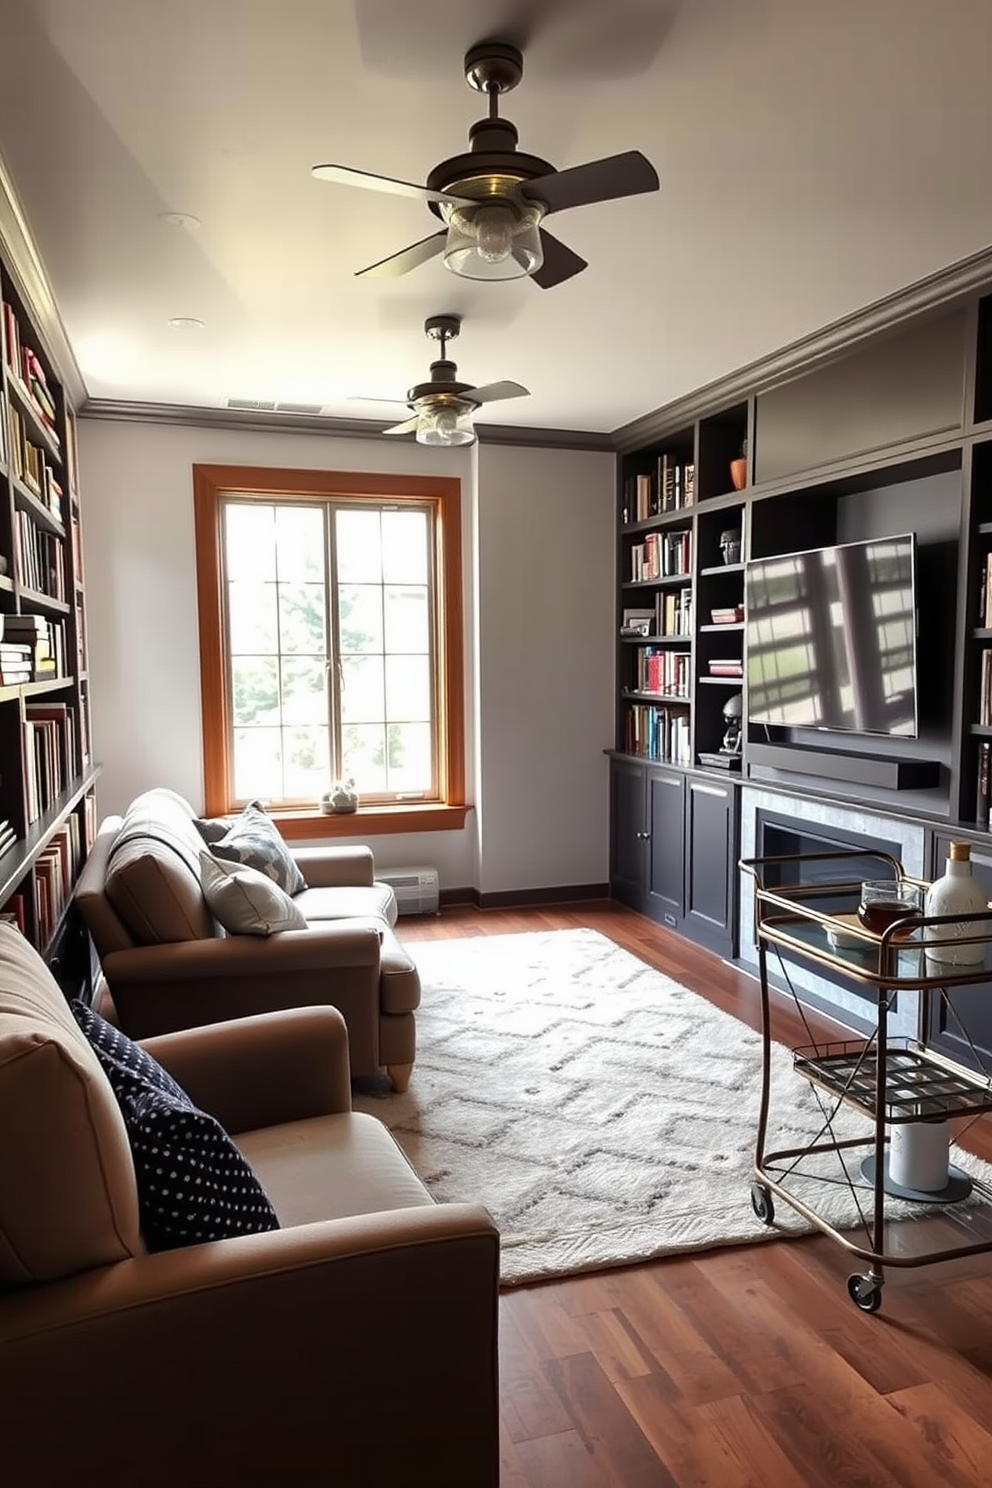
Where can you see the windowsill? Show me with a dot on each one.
(371, 821)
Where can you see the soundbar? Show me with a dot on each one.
(769, 761)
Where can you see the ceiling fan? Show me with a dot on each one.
(443, 407)
(494, 199)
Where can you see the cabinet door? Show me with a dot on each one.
(960, 1023)
(711, 865)
(628, 829)
(666, 859)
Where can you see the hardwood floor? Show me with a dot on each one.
(747, 1367)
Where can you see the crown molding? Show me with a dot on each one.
(33, 286)
(124, 411)
(938, 291)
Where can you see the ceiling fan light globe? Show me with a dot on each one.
(492, 242)
(494, 233)
(446, 426)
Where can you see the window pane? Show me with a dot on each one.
(360, 617)
(302, 624)
(359, 546)
(304, 696)
(307, 772)
(257, 764)
(408, 688)
(363, 692)
(407, 620)
(249, 540)
(404, 547)
(255, 690)
(364, 749)
(251, 610)
(299, 542)
(409, 763)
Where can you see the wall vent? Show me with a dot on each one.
(252, 405)
(417, 890)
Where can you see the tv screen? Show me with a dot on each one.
(831, 638)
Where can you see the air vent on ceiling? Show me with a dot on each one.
(251, 405)
(309, 408)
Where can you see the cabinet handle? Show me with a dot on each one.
(644, 836)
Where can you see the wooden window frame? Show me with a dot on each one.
(211, 483)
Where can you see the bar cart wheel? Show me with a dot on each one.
(761, 1203)
(865, 1292)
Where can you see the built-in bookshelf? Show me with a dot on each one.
(47, 807)
(881, 427)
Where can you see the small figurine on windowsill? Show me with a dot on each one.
(340, 799)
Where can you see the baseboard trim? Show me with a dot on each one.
(521, 898)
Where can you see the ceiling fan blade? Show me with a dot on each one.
(344, 175)
(406, 427)
(407, 258)
(600, 180)
(560, 263)
(493, 391)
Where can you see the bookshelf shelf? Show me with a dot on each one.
(47, 779)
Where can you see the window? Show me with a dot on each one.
(330, 644)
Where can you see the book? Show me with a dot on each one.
(984, 785)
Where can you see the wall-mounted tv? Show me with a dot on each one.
(831, 638)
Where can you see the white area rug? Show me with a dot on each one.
(603, 1113)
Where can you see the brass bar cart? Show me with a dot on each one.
(803, 913)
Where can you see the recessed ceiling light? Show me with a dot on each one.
(180, 219)
(186, 323)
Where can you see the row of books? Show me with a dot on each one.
(55, 870)
(671, 615)
(985, 689)
(23, 365)
(32, 465)
(39, 558)
(662, 671)
(661, 555)
(726, 666)
(51, 758)
(671, 486)
(659, 733)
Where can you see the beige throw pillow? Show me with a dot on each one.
(245, 901)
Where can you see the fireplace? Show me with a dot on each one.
(774, 825)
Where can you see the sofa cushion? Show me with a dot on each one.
(245, 901)
(254, 838)
(193, 1183)
(68, 1199)
(153, 871)
(344, 902)
(331, 1167)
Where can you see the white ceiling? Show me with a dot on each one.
(813, 157)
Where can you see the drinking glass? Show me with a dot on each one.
(885, 900)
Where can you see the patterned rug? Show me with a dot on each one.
(603, 1113)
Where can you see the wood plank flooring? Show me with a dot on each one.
(747, 1367)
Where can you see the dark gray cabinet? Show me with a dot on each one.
(673, 849)
(710, 863)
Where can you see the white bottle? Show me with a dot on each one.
(957, 892)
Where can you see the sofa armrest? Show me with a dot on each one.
(324, 944)
(335, 867)
(158, 989)
(262, 1071)
(295, 1334)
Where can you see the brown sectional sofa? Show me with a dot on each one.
(168, 965)
(356, 1344)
